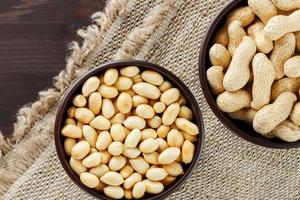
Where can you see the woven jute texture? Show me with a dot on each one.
(168, 33)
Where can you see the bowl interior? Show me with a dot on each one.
(76, 88)
(238, 127)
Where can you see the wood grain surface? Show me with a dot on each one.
(33, 38)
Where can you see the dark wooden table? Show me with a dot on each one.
(33, 39)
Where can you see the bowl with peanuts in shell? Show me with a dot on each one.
(249, 68)
(129, 130)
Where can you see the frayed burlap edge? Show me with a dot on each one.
(133, 43)
(92, 36)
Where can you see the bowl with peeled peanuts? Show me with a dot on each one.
(129, 130)
(249, 70)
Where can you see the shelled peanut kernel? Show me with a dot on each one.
(126, 134)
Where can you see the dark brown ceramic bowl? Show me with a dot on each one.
(66, 101)
(240, 128)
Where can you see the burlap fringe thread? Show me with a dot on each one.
(92, 36)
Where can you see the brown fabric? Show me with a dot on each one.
(168, 33)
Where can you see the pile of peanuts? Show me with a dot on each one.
(255, 70)
(129, 133)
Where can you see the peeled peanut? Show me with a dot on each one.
(236, 34)
(124, 103)
(187, 152)
(133, 138)
(152, 77)
(291, 67)
(219, 55)
(128, 194)
(170, 96)
(283, 50)
(133, 122)
(103, 141)
(110, 76)
(238, 72)
(80, 150)
(77, 166)
(92, 160)
(263, 77)
(95, 102)
(100, 187)
(264, 9)
(148, 133)
(168, 180)
(131, 152)
(155, 122)
(162, 144)
(137, 78)
(168, 155)
(90, 86)
(174, 169)
(153, 187)
(89, 179)
(146, 90)
(126, 171)
(246, 115)
(149, 145)
(151, 158)
(116, 163)
(112, 178)
(100, 123)
(132, 180)
(70, 121)
(71, 131)
(68, 145)
(138, 100)
(84, 115)
(99, 170)
(233, 101)
(71, 112)
(108, 109)
(159, 107)
(165, 86)
(162, 131)
(79, 100)
(170, 114)
(139, 190)
(191, 138)
(115, 192)
(215, 76)
(139, 165)
(129, 71)
(187, 126)
(156, 174)
(175, 138)
(145, 111)
(90, 135)
(295, 114)
(185, 112)
(105, 157)
(123, 83)
(117, 118)
(270, 116)
(117, 132)
(115, 148)
(108, 91)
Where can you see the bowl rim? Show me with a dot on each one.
(65, 102)
(203, 56)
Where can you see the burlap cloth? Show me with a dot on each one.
(168, 33)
